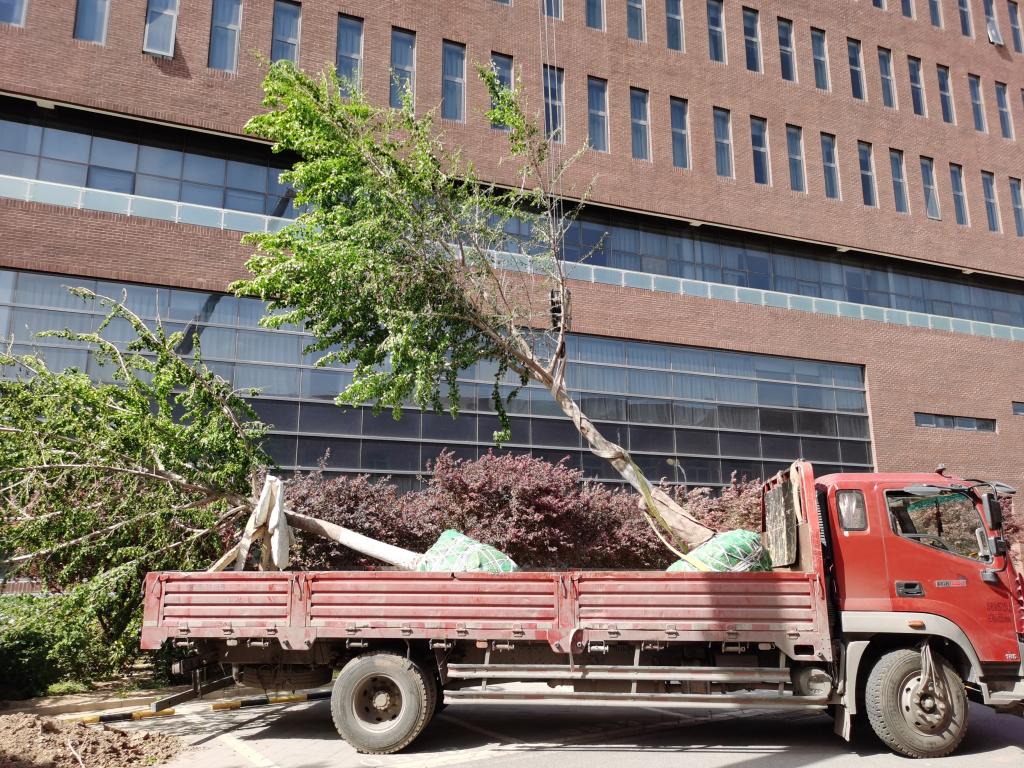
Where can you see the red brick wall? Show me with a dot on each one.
(43, 60)
(907, 369)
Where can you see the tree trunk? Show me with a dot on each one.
(403, 558)
(666, 514)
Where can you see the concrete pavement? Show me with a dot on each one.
(302, 736)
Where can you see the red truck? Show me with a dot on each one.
(892, 600)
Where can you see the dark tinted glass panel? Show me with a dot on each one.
(551, 432)
(740, 444)
(776, 421)
(331, 419)
(652, 439)
(385, 425)
(815, 423)
(441, 426)
(335, 454)
(697, 441)
(820, 450)
(282, 415)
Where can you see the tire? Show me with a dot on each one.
(381, 702)
(892, 712)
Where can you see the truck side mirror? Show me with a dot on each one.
(993, 512)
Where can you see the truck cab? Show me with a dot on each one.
(920, 559)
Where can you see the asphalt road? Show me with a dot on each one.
(302, 736)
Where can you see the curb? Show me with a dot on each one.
(100, 704)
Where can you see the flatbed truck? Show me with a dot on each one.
(893, 601)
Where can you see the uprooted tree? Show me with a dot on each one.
(403, 265)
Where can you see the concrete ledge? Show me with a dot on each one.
(103, 701)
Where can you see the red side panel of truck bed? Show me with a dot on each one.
(565, 609)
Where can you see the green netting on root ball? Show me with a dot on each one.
(454, 551)
(737, 550)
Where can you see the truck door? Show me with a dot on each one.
(860, 570)
(936, 551)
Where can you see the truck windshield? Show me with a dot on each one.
(949, 521)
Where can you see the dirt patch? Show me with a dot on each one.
(30, 741)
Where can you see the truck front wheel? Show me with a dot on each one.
(911, 718)
(381, 702)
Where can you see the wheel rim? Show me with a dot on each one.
(377, 702)
(925, 711)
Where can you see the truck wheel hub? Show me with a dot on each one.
(381, 700)
(922, 707)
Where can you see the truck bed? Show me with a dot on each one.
(565, 609)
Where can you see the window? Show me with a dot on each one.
(553, 8)
(723, 142)
(635, 19)
(795, 152)
(1018, 38)
(679, 110)
(853, 53)
(853, 512)
(453, 76)
(948, 522)
(287, 23)
(820, 53)
(977, 102)
(878, 4)
(899, 181)
(931, 194)
(597, 113)
(992, 23)
(349, 61)
(1017, 201)
(916, 85)
(225, 29)
(674, 24)
(91, 20)
(161, 24)
(403, 66)
(830, 166)
(716, 30)
(942, 421)
(908, 8)
(759, 146)
(935, 12)
(13, 12)
(867, 174)
(1003, 105)
(639, 124)
(1018, 409)
(554, 103)
(787, 50)
(945, 94)
(595, 14)
(885, 70)
(964, 8)
(988, 186)
(502, 66)
(956, 182)
(752, 39)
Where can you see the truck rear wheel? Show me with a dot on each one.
(908, 719)
(381, 702)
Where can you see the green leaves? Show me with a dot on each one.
(137, 473)
(391, 267)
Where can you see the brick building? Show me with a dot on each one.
(812, 213)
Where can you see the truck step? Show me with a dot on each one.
(612, 672)
(596, 699)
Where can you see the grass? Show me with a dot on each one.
(67, 688)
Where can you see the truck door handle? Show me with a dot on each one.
(909, 589)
